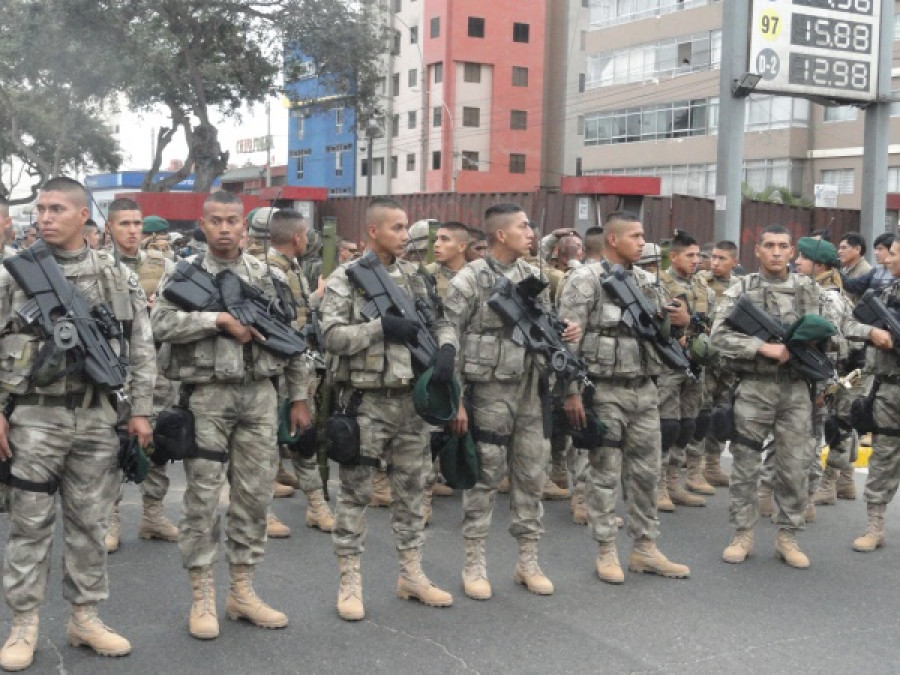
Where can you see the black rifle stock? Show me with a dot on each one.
(873, 311)
(60, 312)
(805, 359)
(193, 289)
(534, 328)
(640, 315)
(386, 299)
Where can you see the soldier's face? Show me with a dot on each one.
(628, 243)
(448, 246)
(126, 228)
(223, 225)
(301, 240)
(722, 263)
(805, 266)
(686, 261)
(476, 250)
(893, 259)
(517, 235)
(389, 232)
(61, 219)
(774, 252)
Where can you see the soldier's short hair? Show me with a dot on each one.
(380, 203)
(68, 186)
(283, 225)
(622, 217)
(593, 241)
(476, 235)
(855, 239)
(681, 241)
(774, 229)
(223, 197)
(91, 223)
(496, 217)
(116, 206)
(457, 227)
(729, 246)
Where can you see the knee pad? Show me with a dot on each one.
(669, 430)
(685, 432)
(701, 427)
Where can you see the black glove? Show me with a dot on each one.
(444, 361)
(398, 329)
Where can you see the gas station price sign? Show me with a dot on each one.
(818, 48)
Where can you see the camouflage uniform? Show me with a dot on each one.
(769, 399)
(65, 432)
(235, 406)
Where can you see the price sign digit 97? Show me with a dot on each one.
(822, 48)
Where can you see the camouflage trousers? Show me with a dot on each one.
(884, 463)
(509, 431)
(79, 448)
(680, 398)
(391, 431)
(780, 407)
(154, 486)
(630, 455)
(307, 471)
(240, 421)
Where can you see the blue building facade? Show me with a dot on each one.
(322, 141)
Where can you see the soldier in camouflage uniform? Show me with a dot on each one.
(504, 385)
(680, 395)
(622, 369)
(372, 367)
(228, 377)
(7, 233)
(287, 233)
(63, 434)
(770, 398)
(124, 222)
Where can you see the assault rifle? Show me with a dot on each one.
(873, 311)
(641, 316)
(193, 289)
(62, 314)
(806, 360)
(534, 328)
(386, 299)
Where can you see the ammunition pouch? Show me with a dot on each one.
(669, 430)
(342, 436)
(862, 411)
(721, 422)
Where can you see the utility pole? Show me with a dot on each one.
(732, 113)
(877, 137)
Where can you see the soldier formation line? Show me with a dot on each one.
(508, 364)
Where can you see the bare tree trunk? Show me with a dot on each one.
(210, 161)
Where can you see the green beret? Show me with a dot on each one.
(458, 457)
(818, 250)
(810, 328)
(251, 214)
(154, 224)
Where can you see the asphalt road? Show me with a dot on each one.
(839, 616)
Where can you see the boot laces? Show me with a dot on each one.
(21, 626)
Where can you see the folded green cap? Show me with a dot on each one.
(818, 250)
(154, 224)
(810, 328)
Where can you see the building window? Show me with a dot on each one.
(519, 76)
(377, 167)
(411, 161)
(472, 72)
(412, 78)
(395, 47)
(520, 32)
(893, 179)
(339, 120)
(300, 161)
(518, 119)
(614, 12)
(438, 73)
(476, 27)
(436, 159)
(395, 84)
(842, 178)
(469, 160)
(411, 119)
(436, 116)
(413, 35)
(394, 166)
(435, 26)
(516, 163)
(841, 113)
(397, 6)
(395, 125)
(300, 126)
(471, 117)
(339, 164)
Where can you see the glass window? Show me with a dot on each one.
(469, 160)
(411, 161)
(476, 27)
(472, 72)
(412, 77)
(436, 115)
(411, 119)
(516, 163)
(841, 113)
(471, 117)
(519, 76)
(521, 32)
(842, 178)
(436, 159)
(438, 69)
(518, 119)
(435, 26)
(413, 35)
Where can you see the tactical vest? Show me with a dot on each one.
(150, 269)
(488, 351)
(381, 364)
(695, 289)
(609, 347)
(220, 358)
(442, 278)
(102, 280)
(295, 280)
(717, 285)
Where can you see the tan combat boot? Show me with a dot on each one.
(874, 535)
(86, 628)
(317, 512)
(678, 495)
(275, 529)
(645, 557)
(413, 583)
(381, 490)
(426, 506)
(766, 499)
(608, 567)
(826, 493)
(244, 603)
(695, 481)
(203, 623)
(528, 572)
(712, 470)
(18, 652)
(552, 491)
(154, 524)
(280, 491)
(846, 487)
(441, 490)
(740, 548)
(787, 549)
(559, 475)
(579, 506)
(503, 487)
(114, 531)
(663, 500)
(474, 575)
(350, 602)
(286, 477)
